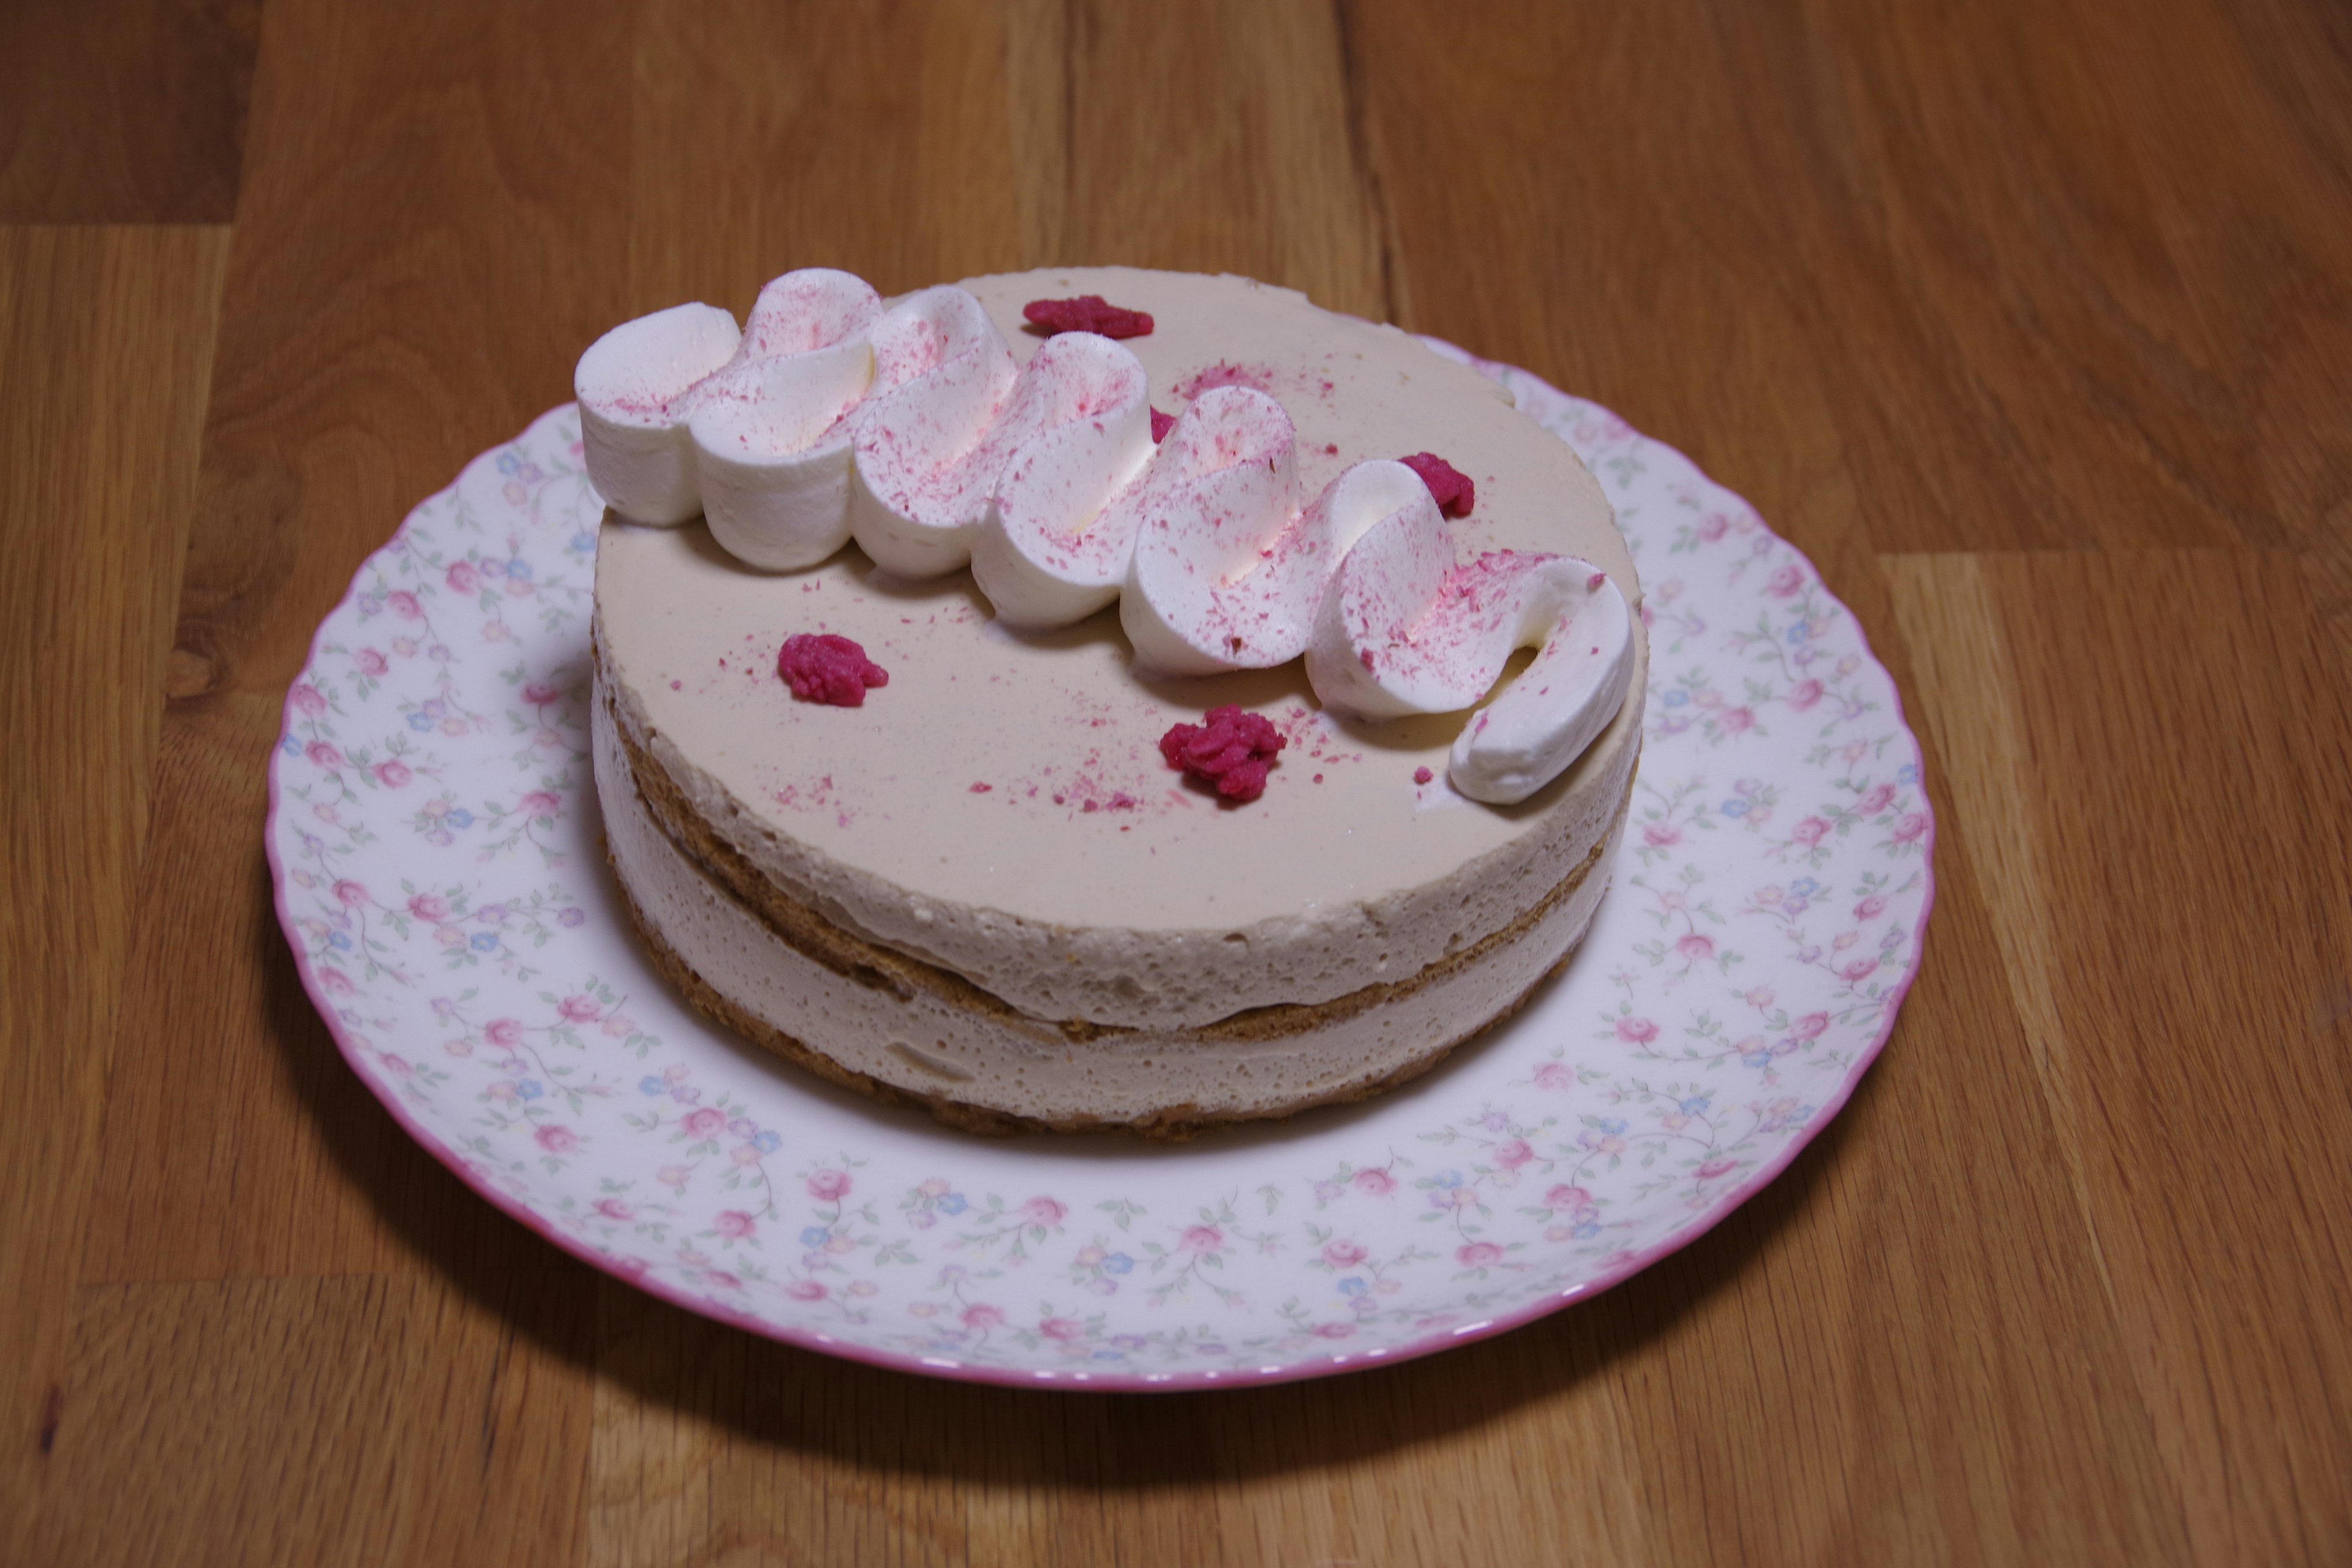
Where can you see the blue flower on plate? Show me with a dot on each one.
(814, 1236)
(954, 1204)
(767, 1143)
(519, 569)
(1118, 1263)
(417, 721)
(1734, 807)
(484, 942)
(460, 819)
(1674, 697)
(651, 1087)
(530, 1089)
(1352, 1287)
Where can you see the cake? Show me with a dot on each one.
(1000, 866)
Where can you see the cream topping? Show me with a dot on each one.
(1215, 565)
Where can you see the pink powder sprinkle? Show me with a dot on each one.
(1161, 425)
(1231, 751)
(1225, 372)
(1592, 583)
(1087, 314)
(1421, 775)
(982, 788)
(828, 668)
(1449, 487)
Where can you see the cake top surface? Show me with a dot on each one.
(1022, 775)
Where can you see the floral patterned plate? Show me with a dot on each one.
(434, 842)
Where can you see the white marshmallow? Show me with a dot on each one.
(771, 431)
(1401, 631)
(637, 387)
(1222, 498)
(1048, 554)
(926, 458)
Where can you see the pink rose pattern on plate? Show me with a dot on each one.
(434, 840)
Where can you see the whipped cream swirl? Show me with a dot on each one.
(912, 429)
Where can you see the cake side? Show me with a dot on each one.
(866, 1019)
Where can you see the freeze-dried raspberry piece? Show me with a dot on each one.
(1449, 487)
(1087, 314)
(822, 668)
(1231, 751)
(1161, 425)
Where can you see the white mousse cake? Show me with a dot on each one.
(988, 887)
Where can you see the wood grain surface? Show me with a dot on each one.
(2031, 320)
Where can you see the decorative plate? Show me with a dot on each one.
(434, 842)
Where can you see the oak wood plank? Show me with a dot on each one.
(363, 1419)
(123, 110)
(106, 335)
(407, 288)
(2176, 888)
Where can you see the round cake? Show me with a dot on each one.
(986, 887)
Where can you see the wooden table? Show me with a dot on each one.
(2031, 320)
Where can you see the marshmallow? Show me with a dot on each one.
(1399, 631)
(1048, 552)
(636, 386)
(1215, 510)
(1202, 605)
(930, 447)
(771, 431)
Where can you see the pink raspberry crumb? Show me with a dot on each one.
(1449, 487)
(824, 668)
(1087, 314)
(1161, 425)
(1230, 751)
(1421, 775)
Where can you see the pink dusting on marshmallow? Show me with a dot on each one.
(1087, 314)
(1449, 487)
(1225, 373)
(827, 668)
(1161, 425)
(1231, 751)
(1592, 586)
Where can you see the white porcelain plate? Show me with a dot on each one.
(435, 841)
